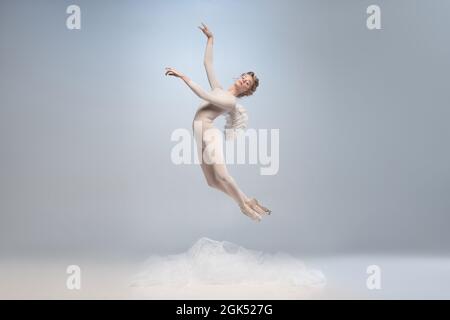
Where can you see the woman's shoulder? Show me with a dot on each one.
(226, 95)
(223, 91)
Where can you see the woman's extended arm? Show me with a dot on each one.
(208, 63)
(227, 102)
(208, 59)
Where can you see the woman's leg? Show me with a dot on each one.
(212, 153)
(226, 181)
(211, 180)
(248, 206)
(217, 176)
(208, 170)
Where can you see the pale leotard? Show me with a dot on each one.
(216, 102)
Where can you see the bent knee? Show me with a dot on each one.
(212, 183)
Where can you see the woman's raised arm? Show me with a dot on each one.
(208, 59)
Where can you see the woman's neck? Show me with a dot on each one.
(233, 91)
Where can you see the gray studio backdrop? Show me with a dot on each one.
(86, 118)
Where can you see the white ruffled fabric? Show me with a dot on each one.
(236, 122)
(222, 262)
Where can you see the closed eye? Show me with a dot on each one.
(246, 81)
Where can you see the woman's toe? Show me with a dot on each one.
(266, 210)
(248, 211)
(253, 204)
(259, 209)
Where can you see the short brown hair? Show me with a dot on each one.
(255, 85)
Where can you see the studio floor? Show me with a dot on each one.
(401, 277)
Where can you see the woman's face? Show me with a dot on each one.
(244, 83)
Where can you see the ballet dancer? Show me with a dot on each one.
(220, 102)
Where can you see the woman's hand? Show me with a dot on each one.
(206, 31)
(173, 72)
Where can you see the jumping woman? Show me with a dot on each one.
(217, 102)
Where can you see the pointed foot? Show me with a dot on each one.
(255, 205)
(249, 212)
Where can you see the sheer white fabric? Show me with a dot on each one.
(236, 122)
(221, 262)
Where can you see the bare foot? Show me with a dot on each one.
(254, 204)
(248, 211)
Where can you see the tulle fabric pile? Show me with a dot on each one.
(213, 262)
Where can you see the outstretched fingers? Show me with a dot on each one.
(173, 72)
(205, 30)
